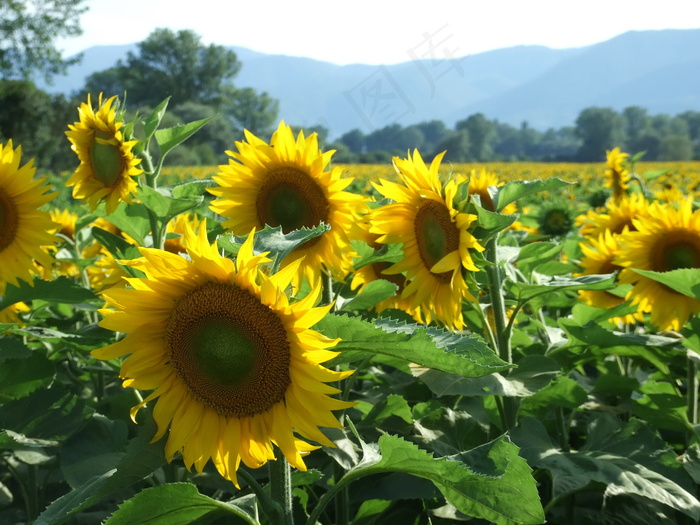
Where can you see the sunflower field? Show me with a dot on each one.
(283, 340)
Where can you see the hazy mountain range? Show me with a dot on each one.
(658, 70)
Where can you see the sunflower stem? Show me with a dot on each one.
(502, 328)
(327, 291)
(281, 488)
(692, 391)
(151, 176)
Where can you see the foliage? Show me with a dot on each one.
(28, 30)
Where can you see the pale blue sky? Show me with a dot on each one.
(381, 31)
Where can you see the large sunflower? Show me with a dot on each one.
(107, 164)
(616, 173)
(233, 364)
(598, 259)
(25, 231)
(668, 238)
(435, 237)
(285, 183)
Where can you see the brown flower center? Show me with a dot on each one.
(230, 350)
(9, 220)
(292, 199)
(676, 249)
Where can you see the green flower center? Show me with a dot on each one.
(681, 255)
(223, 351)
(9, 220)
(289, 197)
(436, 235)
(230, 350)
(107, 160)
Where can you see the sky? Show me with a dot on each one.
(380, 31)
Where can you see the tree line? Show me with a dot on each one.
(199, 80)
(478, 139)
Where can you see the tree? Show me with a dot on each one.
(354, 140)
(28, 29)
(248, 110)
(599, 129)
(481, 133)
(169, 64)
(676, 147)
(36, 121)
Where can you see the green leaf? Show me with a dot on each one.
(140, 460)
(193, 189)
(685, 281)
(527, 291)
(536, 253)
(152, 121)
(626, 462)
(133, 220)
(164, 206)
(651, 175)
(593, 334)
(168, 138)
(175, 504)
(21, 377)
(562, 392)
(393, 405)
(373, 293)
(490, 482)
(430, 347)
(47, 416)
(662, 406)
(489, 223)
(387, 253)
(12, 347)
(119, 247)
(60, 290)
(534, 372)
(281, 244)
(514, 190)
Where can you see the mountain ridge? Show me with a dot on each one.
(656, 69)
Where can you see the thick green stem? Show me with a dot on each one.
(281, 488)
(502, 328)
(151, 176)
(692, 393)
(327, 292)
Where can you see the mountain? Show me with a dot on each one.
(658, 70)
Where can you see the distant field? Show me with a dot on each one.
(684, 176)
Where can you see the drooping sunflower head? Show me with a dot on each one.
(435, 235)
(66, 219)
(555, 219)
(286, 184)
(666, 239)
(107, 163)
(25, 230)
(479, 183)
(232, 362)
(616, 172)
(599, 255)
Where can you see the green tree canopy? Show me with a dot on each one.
(170, 64)
(600, 129)
(28, 30)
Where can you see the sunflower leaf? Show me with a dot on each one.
(60, 290)
(490, 482)
(20, 377)
(174, 503)
(168, 138)
(628, 460)
(467, 356)
(514, 190)
(164, 206)
(373, 293)
(685, 281)
(527, 291)
(152, 121)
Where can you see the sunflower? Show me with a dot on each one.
(10, 314)
(233, 365)
(555, 219)
(25, 231)
(479, 184)
(617, 175)
(617, 217)
(375, 271)
(598, 259)
(107, 164)
(666, 239)
(435, 237)
(176, 229)
(286, 184)
(66, 221)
